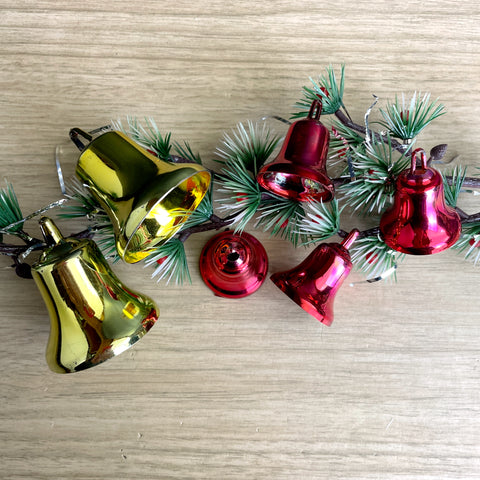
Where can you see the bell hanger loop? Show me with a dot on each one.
(315, 110)
(348, 241)
(50, 231)
(423, 159)
(75, 133)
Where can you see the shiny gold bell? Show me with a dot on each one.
(146, 199)
(93, 316)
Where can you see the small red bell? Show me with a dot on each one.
(314, 283)
(419, 222)
(299, 171)
(233, 265)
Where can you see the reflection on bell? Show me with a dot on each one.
(146, 199)
(314, 283)
(93, 316)
(419, 222)
(299, 170)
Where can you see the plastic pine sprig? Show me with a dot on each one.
(328, 89)
(343, 138)
(453, 188)
(81, 203)
(9, 209)
(170, 262)
(185, 151)
(320, 221)
(374, 258)
(406, 119)
(469, 242)
(105, 239)
(148, 135)
(243, 192)
(249, 145)
(376, 170)
(281, 217)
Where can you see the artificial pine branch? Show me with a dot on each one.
(376, 169)
(148, 135)
(10, 212)
(250, 146)
(320, 221)
(281, 216)
(373, 257)
(405, 120)
(327, 89)
(170, 262)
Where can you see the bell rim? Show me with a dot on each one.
(126, 253)
(302, 173)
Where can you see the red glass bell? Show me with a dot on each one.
(419, 222)
(314, 283)
(233, 265)
(299, 170)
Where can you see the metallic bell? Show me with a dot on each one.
(93, 316)
(314, 283)
(419, 222)
(233, 265)
(299, 170)
(146, 198)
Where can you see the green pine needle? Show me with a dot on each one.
(147, 136)
(82, 203)
(405, 120)
(327, 89)
(105, 239)
(243, 191)
(342, 134)
(320, 221)
(376, 170)
(10, 209)
(281, 216)
(250, 146)
(170, 262)
(186, 151)
(373, 257)
(453, 188)
(469, 242)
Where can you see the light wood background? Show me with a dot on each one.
(253, 388)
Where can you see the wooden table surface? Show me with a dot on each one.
(250, 388)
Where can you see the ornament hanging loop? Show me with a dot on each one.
(315, 110)
(75, 133)
(423, 159)
(348, 241)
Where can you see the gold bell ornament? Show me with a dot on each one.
(93, 315)
(146, 199)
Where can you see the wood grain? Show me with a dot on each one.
(253, 388)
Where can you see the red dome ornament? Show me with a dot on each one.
(233, 265)
(419, 222)
(314, 283)
(299, 170)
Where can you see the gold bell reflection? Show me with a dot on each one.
(146, 199)
(93, 315)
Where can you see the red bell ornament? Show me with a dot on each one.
(419, 222)
(314, 283)
(299, 170)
